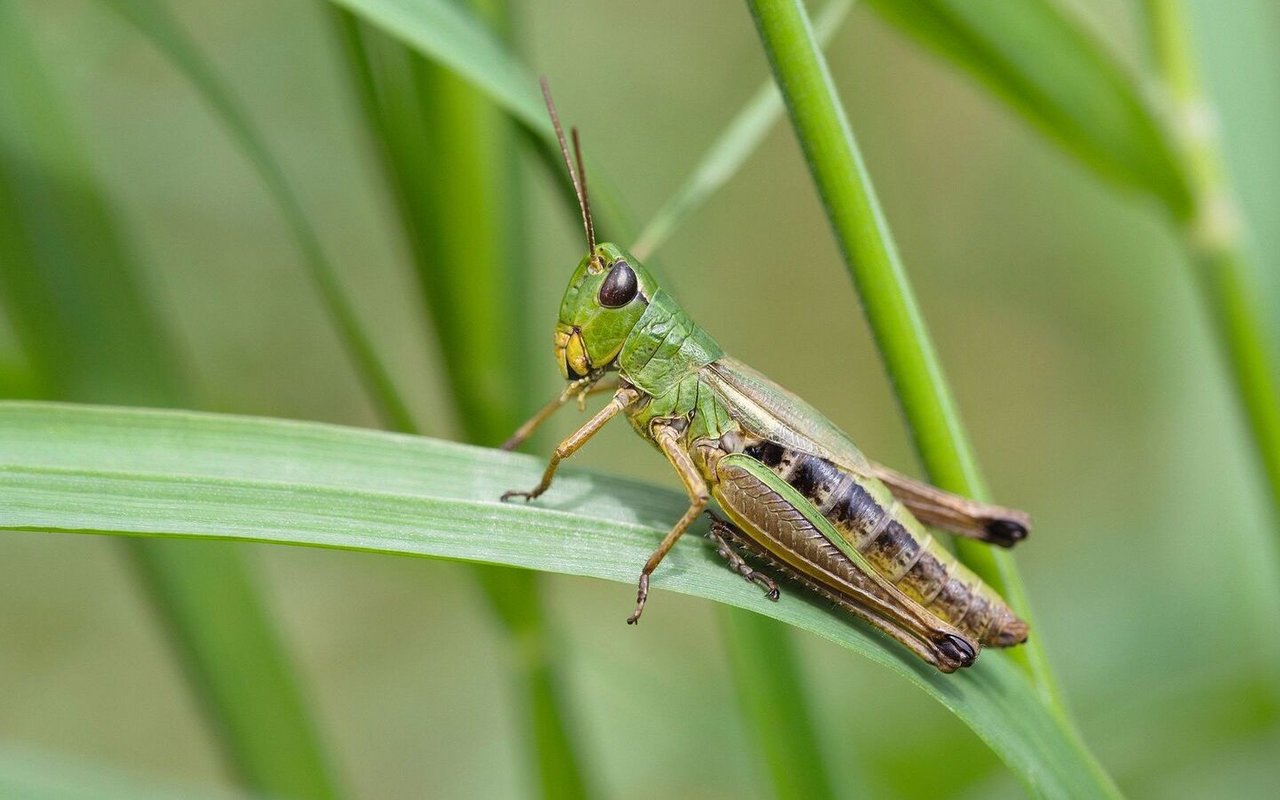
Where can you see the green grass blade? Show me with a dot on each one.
(1058, 76)
(1214, 234)
(153, 20)
(446, 156)
(78, 469)
(731, 149)
(871, 256)
(88, 333)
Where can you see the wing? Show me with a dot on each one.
(766, 409)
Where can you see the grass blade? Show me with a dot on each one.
(79, 469)
(154, 21)
(871, 256)
(450, 35)
(444, 155)
(1059, 77)
(88, 333)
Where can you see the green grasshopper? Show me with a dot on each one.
(799, 496)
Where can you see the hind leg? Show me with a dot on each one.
(723, 533)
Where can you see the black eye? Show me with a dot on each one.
(619, 287)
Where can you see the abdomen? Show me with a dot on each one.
(863, 511)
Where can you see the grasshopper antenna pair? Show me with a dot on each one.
(577, 176)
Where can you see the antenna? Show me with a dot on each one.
(583, 197)
(577, 177)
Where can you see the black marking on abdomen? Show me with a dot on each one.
(895, 550)
(815, 478)
(853, 508)
(768, 453)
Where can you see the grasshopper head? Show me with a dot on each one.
(606, 296)
(609, 289)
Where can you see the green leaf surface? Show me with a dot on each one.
(1056, 73)
(80, 469)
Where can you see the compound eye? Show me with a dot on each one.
(620, 285)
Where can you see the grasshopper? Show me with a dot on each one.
(798, 494)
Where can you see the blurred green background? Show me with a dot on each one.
(1064, 315)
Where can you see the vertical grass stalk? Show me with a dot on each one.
(906, 348)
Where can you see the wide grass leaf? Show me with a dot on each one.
(84, 469)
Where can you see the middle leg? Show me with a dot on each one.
(723, 534)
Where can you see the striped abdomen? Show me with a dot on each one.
(895, 544)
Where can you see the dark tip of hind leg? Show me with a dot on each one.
(956, 650)
(1005, 532)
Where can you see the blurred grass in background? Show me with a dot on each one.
(1069, 330)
